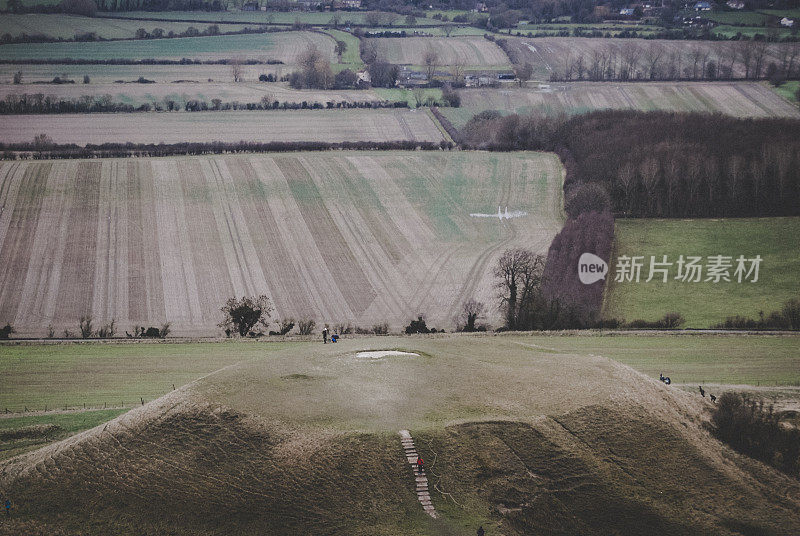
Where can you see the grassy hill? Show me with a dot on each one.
(705, 303)
(522, 440)
(360, 237)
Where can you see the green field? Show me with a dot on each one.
(740, 18)
(120, 374)
(271, 17)
(788, 90)
(20, 434)
(704, 304)
(33, 376)
(351, 59)
(67, 26)
(257, 46)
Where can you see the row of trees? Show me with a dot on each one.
(659, 61)
(39, 103)
(42, 147)
(660, 164)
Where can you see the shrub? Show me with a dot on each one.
(753, 428)
(343, 329)
(286, 326)
(306, 326)
(165, 329)
(18, 77)
(345, 79)
(107, 331)
(6, 331)
(668, 321)
(418, 326)
(242, 315)
(380, 329)
(787, 318)
(86, 79)
(85, 326)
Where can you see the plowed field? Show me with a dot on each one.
(362, 237)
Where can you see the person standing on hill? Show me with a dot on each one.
(481, 532)
(325, 335)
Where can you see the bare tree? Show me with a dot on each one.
(457, 71)
(523, 72)
(340, 49)
(746, 51)
(519, 274)
(653, 57)
(369, 51)
(696, 54)
(630, 58)
(448, 29)
(760, 50)
(419, 96)
(236, 69)
(430, 59)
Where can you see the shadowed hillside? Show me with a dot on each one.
(519, 439)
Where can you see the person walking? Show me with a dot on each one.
(481, 532)
(8, 507)
(325, 335)
(420, 464)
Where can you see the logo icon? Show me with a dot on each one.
(591, 268)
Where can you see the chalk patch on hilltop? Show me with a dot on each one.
(377, 354)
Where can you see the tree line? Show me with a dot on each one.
(39, 103)
(749, 60)
(44, 148)
(141, 33)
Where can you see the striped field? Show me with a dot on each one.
(738, 99)
(205, 127)
(364, 237)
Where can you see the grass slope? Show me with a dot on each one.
(361, 237)
(705, 303)
(305, 441)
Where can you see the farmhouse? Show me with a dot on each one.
(347, 4)
(785, 21)
(626, 11)
(702, 6)
(409, 78)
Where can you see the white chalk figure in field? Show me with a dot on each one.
(501, 215)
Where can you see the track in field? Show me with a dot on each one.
(361, 237)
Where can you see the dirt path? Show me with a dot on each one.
(421, 480)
